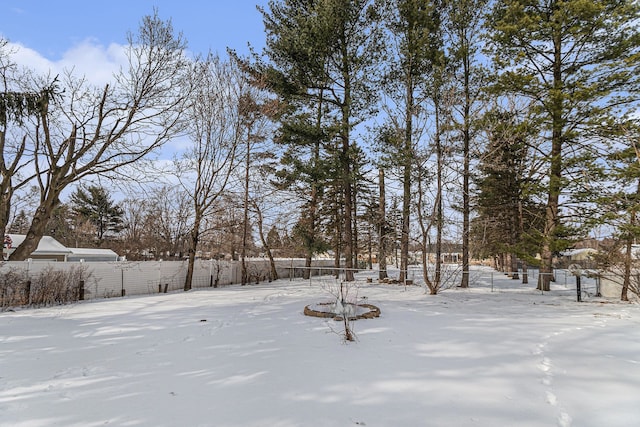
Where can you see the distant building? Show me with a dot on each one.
(92, 255)
(49, 249)
(582, 256)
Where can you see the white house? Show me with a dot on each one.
(49, 249)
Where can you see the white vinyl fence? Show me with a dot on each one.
(123, 278)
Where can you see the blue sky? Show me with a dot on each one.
(53, 27)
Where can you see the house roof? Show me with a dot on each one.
(92, 254)
(92, 251)
(47, 245)
(574, 252)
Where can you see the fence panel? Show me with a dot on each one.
(125, 278)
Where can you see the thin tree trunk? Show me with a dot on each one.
(312, 213)
(194, 237)
(273, 272)
(382, 235)
(311, 230)
(338, 240)
(407, 159)
(628, 259)
(369, 248)
(439, 202)
(245, 219)
(191, 261)
(466, 199)
(514, 266)
(348, 212)
(525, 273)
(425, 229)
(624, 296)
(356, 250)
(346, 159)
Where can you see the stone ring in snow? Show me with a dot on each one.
(338, 311)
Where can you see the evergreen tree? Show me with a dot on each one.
(322, 56)
(577, 61)
(63, 227)
(20, 223)
(95, 204)
(619, 204)
(413, 48)
(508, 219)
(464, 27)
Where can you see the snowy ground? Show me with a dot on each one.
(500, 355)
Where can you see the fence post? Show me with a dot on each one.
(122, 291)
(29, 292)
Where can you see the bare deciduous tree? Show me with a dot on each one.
(215, 131)
(16, 104)
(90, 131)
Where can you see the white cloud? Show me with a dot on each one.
(88, 59)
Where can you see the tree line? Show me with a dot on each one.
(386, 127)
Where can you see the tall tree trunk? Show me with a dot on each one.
(369, 248)
(382, 227)
(466, 154)
(346, 162)
(312, 212)
(525, 272)
(356, 249)
(338, 239)
(245, 219)
(555, 175)
(347, 201)
(439, 201)
(628, 259)
(407, 159)
(312, 219)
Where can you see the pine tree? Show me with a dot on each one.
(20, 223)
(464, 26)
(322, 56)
(501, 190)
(94, 204)
(618, 200)
(413, 32)
(577, 61)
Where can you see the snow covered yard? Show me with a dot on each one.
(247, 356)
